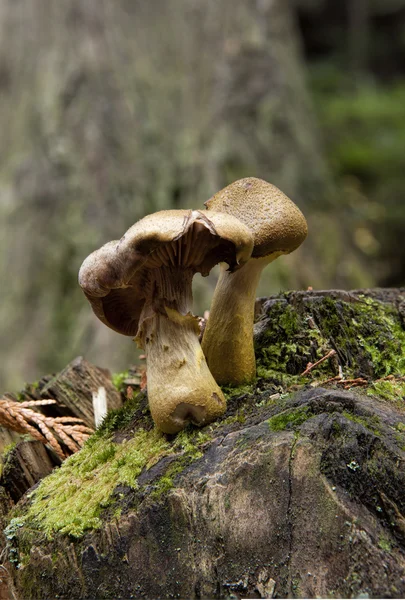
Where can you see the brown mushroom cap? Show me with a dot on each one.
(276, 222)
(115, 278)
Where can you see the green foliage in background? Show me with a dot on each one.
(364, 135)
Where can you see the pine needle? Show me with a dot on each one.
(20, 417)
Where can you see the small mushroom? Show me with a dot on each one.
(141, 286)
(278, 227)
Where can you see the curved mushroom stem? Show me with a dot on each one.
(228, 337)
(181, 388)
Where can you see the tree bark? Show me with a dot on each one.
(26, 464)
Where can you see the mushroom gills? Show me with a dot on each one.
(141, 285)
(188, 250)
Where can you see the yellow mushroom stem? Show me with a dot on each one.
(181, 388)
(228, 336)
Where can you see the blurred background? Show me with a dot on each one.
(113, 110)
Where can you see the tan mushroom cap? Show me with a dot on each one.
(276, 222)
(115, 277)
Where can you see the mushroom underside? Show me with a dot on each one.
(151, 298)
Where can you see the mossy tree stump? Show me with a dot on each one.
(298, 491)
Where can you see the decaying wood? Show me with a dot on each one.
(6, 586)
(288, 495)
(7, 437)
(268, 513)
(76, 386)
(25, 465)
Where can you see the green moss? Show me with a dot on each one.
(287, 345)
(118, 380)
(368, 331)
(7, 449)
(120, 418)
(117, 513)
(290, 419)
(289, 322)
(390, 389)
(166, 482)
(190, 441)
(367, 335)
(372, 423)
(232, 392)
(72, 498)
(239, 417)
(384, 543)
(11, 535)
(5, 455)
(284, 380)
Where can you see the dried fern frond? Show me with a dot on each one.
(19, 417)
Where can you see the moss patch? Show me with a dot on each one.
(231, 392)
(118, 380)
(134, 409)
(392, 390)
(72, 499)
(7, 449)
(384, 543)
(290, 419)
(366, 334)
(372, 423)
(5, 455)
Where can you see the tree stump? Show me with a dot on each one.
(298, 491)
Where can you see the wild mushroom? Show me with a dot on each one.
(141, 286)
(278, 227)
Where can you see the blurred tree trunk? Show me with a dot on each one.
(110, 111)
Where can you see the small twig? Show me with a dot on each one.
(390, 378)
(311, 366)
(349, 383)
(336, 379)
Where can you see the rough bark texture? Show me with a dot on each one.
(25, 465)
(299, 491)
(75, 386)
(5, 582)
